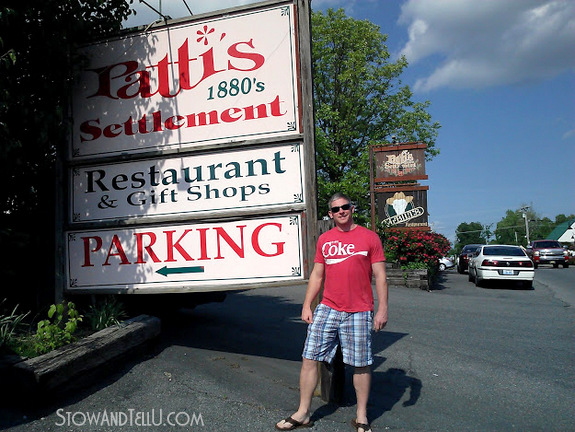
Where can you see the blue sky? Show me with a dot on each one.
(500, 76)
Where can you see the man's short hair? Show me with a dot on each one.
(336, 196)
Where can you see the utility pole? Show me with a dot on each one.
(523, 211)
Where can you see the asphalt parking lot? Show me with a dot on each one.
(458, 358)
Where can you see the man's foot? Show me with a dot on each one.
(361, 427)
(290, 423)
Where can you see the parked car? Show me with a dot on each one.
(548, 252)
(445, 263)
(463, 257)
(501, 262)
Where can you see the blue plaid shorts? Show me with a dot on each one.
(351, 330)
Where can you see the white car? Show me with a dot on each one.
(445, 263)
(501, 262)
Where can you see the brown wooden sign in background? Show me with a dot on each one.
(399, 163)
(403, 209)
(400, 202)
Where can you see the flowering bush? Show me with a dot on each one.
(408, 247)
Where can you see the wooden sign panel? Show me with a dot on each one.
(190, 257)
(193, 185)
(403, 209)
(215, 81)
(400, 162)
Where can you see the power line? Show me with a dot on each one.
(496, 229)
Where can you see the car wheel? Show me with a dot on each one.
(441, 267)
(528, 284)
(565, 265)
(469, 276)
(478, 282)
(555, 265)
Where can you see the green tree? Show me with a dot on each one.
(470, 233)
(359, 101)
(540, 228)
(560, 218)
(37, 65)
(511, 229)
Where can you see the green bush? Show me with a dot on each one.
(58, 330)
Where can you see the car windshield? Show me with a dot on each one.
(503, 250)
(547, 244)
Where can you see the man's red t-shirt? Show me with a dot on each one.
(348, 257)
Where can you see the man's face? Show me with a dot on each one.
(341, 211)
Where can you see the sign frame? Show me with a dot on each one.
(306, 211)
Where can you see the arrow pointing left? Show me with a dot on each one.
(165, 271)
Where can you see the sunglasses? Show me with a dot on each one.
(343, 207)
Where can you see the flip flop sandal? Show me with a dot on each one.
(294, 424)
(357, 426)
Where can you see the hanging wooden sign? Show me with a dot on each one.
(396, 198)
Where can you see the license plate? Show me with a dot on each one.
(553, 262)
(508, 272)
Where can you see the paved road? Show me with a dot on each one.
(459, 358)
(560, 280)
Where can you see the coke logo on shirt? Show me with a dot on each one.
(337, 248)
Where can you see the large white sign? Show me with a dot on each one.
(218, 80)
(257, 178)
(186, 255)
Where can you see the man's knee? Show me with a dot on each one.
(308, 364)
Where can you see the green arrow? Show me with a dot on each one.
(165, 271)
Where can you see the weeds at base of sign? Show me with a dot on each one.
(62, 326)
(108, 313)
(10, 322)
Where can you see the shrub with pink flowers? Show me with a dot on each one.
(407, 247)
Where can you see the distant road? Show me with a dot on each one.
(560, 280)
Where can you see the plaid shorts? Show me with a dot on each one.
(351, 330)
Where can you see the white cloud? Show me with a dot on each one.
(569, 134)
(489, 42)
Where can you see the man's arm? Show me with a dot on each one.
(313, 288)
(380, 319)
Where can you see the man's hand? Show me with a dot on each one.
(379, 320)
(307, 314)
(313, 288)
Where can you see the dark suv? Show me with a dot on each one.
(548, 252)
(463, 257)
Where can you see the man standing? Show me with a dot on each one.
(346, 257)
